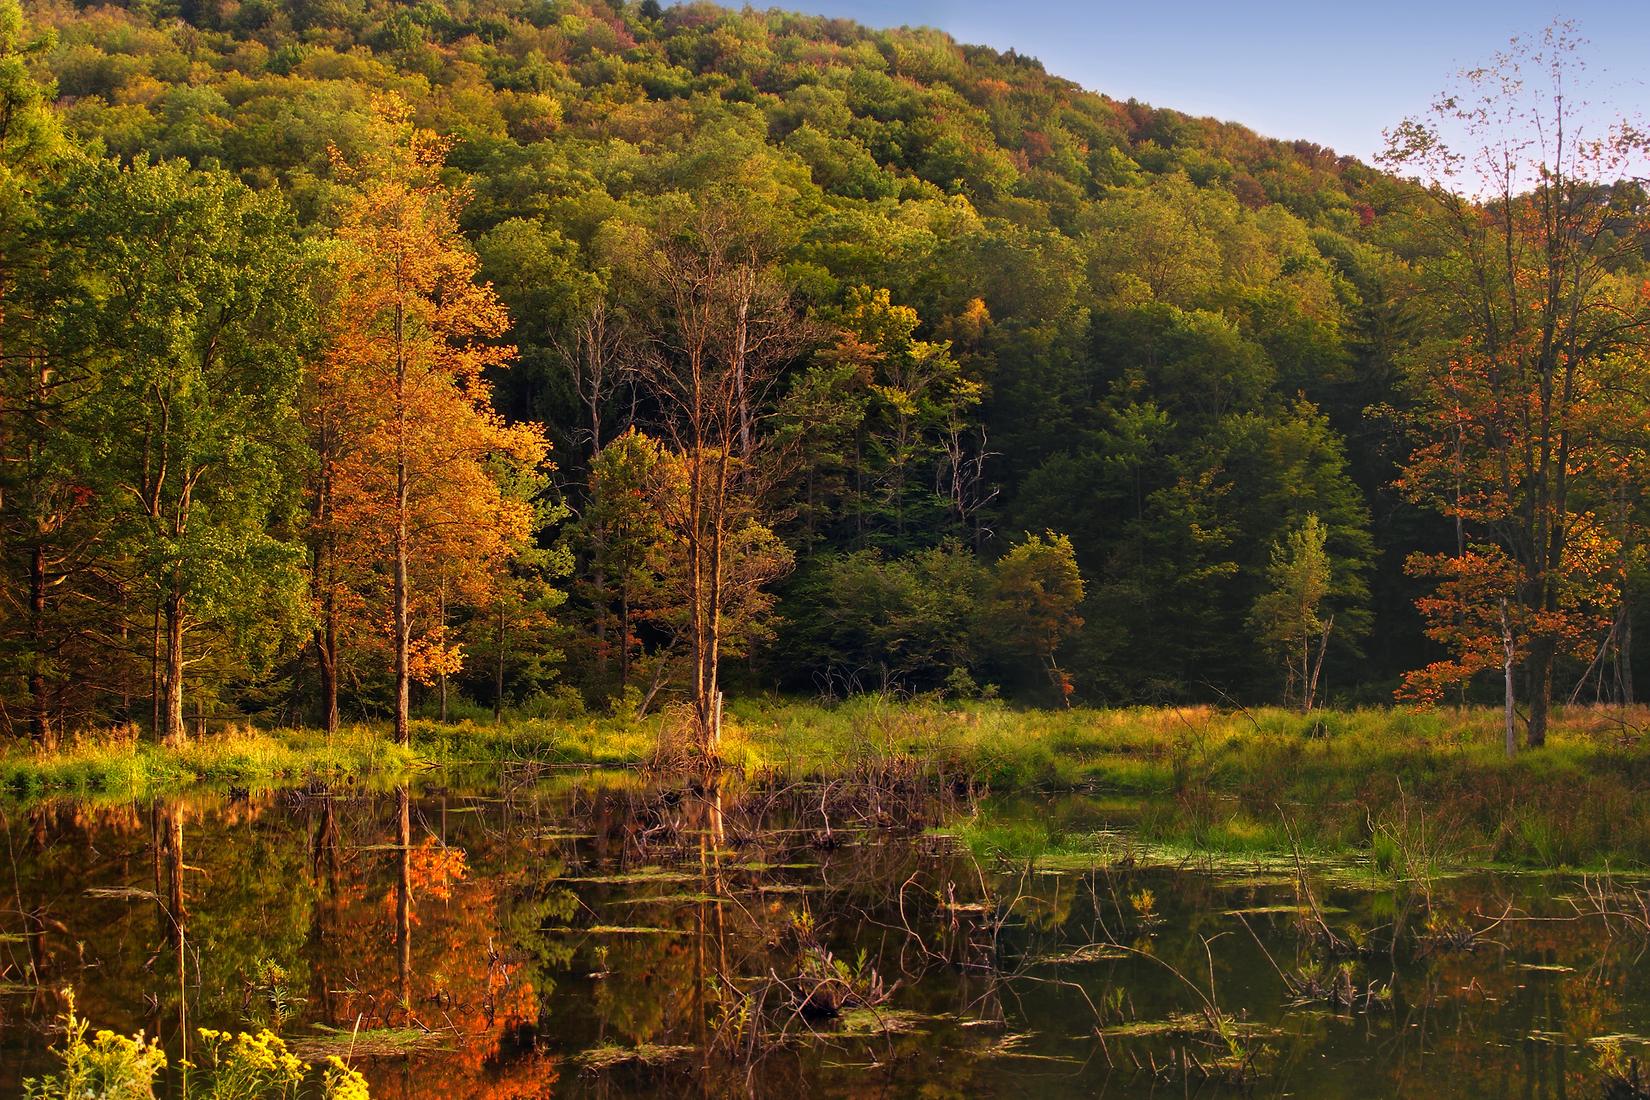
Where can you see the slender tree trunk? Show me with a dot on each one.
(41, 731)
(1624, 657)
(173, 732)
(326, 633)
(323, 573)
(596, 350)
(1511, 701)
(741, 397)
(125, 670)
(326, 647)
(1317, 664)
(156, 702)
(696, 563)
(443, 676)
(1539, 669)
(498, 670)
(624, 639)
(403, 628)
(713, 617)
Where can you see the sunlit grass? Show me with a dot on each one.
(1226, 781)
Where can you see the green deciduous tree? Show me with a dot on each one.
(624, 530)
(1032, 606)
(1288, 617)
(187, 300)
(43, 513)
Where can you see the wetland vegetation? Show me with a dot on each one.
(611, 549)
(1377, 782)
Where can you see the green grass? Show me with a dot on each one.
(1406, 788)
(122, 767)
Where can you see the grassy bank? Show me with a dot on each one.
(1400, 785)
(124, 766)
(1412, 790)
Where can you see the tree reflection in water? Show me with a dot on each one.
(612, 937)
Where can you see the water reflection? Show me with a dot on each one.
(581, 935)
(166, 843)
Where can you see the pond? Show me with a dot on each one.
(596, 934)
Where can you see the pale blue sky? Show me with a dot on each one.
(1333, 73)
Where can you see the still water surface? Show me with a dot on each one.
(575, 934)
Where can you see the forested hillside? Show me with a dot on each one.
(983, 381)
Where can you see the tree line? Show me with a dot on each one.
(867, 361)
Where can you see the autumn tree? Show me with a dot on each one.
(408, 483)
(722, 327)
(1539, 234)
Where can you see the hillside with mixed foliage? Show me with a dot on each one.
(1064, 395)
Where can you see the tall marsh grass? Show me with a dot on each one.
(1229, 780)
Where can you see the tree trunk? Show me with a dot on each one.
(443, 675)
(696, 596)
(403, 629)
(624, 640)
(155, 649)
(498, 670)
(1511, 700)
(173, 732)
(323, 571)
(1624, 657)
(125, 672)
(713, 616)
(326, 648)
(41, 731)
(326, 638)
(741, 336)
(1317, 665)
(1539, 669)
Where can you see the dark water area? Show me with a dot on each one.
(574, 934)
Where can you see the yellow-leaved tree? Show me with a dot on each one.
(419, 492)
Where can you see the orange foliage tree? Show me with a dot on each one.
(419, 491)
(1537, 236)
